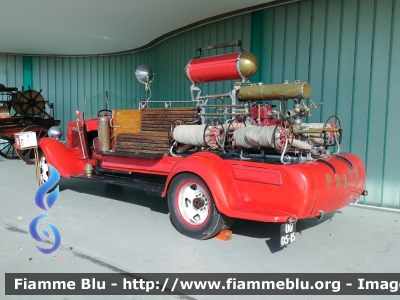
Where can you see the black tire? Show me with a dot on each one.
(192, 209)
(228, 222)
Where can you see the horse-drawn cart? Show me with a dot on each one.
(22, 111)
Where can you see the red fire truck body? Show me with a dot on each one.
(250, 190)
(256, 165)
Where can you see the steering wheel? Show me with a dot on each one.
(104, 113)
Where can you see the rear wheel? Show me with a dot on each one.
(192, 208)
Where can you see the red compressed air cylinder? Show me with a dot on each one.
(238, 65)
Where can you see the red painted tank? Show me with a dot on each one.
(265, 118)
(239, 65)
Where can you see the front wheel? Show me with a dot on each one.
(44, 171)
(192, 209)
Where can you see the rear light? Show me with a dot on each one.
(291, 220)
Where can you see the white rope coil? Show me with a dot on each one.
(301, 144)
(190, 134)
(318, 141)
(254, 137)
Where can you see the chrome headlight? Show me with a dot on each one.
(55, 133)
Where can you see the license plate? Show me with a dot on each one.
(288, 234)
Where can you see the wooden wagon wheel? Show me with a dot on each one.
(7, 149)
(33, 102)
(15, 104)
(29, 155)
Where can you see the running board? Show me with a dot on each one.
(150, 188)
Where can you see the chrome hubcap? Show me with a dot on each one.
(44, 169)
(193, 203)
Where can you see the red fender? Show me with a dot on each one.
(62, 158)
(216, 174)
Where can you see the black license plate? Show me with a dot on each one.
(288, 234)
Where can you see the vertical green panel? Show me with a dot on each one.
(245, 30)
(362, 73)
(58, 87)
(27, 65)
(173, 70)
(74, 96)
(187, 56)
(66, 82)
(317, 55)
(227, 84)
(140, 61)
(51, 81)
(331, 58)
(168, 89)
(100, 76)
(86, 88)
(278, 44)
(377, 107)
(18, 79)
(3, 66)
(89, 82)
(112, 75)
(346, 70)
(303, 41)
(213, 40)
(220, 38)
(256, 38)
(106, 78)
(11, 71)
(43, 77)
(128, 80)
(97, 102)
(289, 63)
(81, 91)
(36, 77)
(391, 186)
(121, 80)
(267, 42)
(117, 81)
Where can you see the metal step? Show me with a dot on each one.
(149, 187)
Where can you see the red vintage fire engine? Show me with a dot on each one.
(217, 160)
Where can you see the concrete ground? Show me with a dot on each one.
(106, 228)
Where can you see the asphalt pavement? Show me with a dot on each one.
(112, 229)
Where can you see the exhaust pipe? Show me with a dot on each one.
(321, 214)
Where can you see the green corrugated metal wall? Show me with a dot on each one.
(173, 54)
(11, 70)
(347, 50)
(66, 81)
(344, 48)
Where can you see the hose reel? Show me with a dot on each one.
(29, 102)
